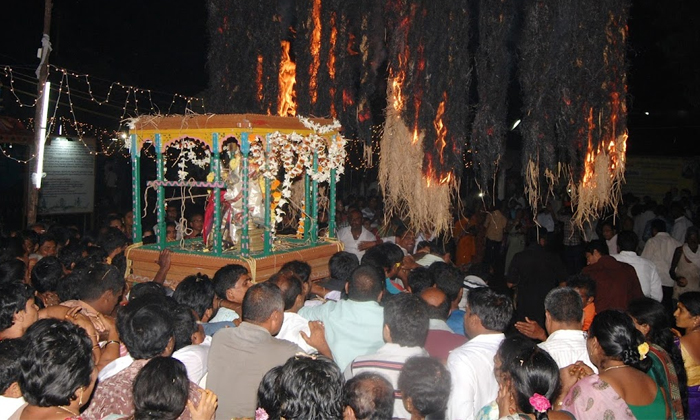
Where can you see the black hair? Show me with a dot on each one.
(70, 255)
(692, 230)
(261, 301)
(30, 235)
(13, 299)
(101, 278)
(441, 311)
(160, 390)
(564, 305)
(46, 274)
(652, 313)
(289, 285)
(366, 283)
(427, 383)
(142, 289)
(618, 338)
(691, 301)
(658, 225)
(447, 278)
(69, 288)
(268, 393)
(531, 370)
(47, 237)
(10, 352)
(535, 234)
(184, 325)
(370, 396)
(61, 234)
(493, 309)
(406, 316)
(227, 277)
(597, 245)
(423, 244)
(627, 241)
(197, 292)
(145, 328)
(377, 257)
(310, 388)
(393, 252)
(419, 279)
(111, 239)
(301, 269)
(12, 271)
(441, 246)
(56, 361)
(11, 248)
(341, 265)
(95, 254)
(583, 282)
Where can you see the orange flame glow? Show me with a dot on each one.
(286, 101)
(331, 62)
(258, 77)
(440, 128)
(315, 49)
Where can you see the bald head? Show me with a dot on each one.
(438, 304)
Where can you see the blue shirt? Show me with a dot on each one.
(456, 322)
(352, 328)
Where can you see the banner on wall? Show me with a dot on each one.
(69, 185)
(654, 175)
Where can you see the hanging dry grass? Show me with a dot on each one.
(408, 193)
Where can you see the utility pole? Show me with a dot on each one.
(42, 73)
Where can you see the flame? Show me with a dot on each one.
(440, 128)
(331, 62)
(589, 164)
(415, 135)
(286, 102)
(315, 49)
(258, 77)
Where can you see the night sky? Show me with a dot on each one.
(162, 46)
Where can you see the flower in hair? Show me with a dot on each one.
(540, 403)
(261, 414)
(643, 350)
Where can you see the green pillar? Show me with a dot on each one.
(216, 168)
(267, 245)
(136, 229)
(160, 177)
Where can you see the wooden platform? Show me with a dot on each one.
(142, 262)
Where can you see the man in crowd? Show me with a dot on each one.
(646, 271)
(534, 272)
(353, 326)
(659, 249)
(230, 285)
(240, 357)
(405, 331)
(356, 238)
(368, 396)
(617, 279)
(441, 339)
(471, 365)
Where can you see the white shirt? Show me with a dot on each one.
(612, 245)
(8, 406)
(195, 357)
(351, 244)
(567, 347)
(646, 272)
(473, 382)
(392, 240)
(546, 221)
(660, 250)
(114, 367)
(680, 225)
(224, 314)
(291, 330)
(387, 361)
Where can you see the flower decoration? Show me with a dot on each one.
(643, 350)
(540, 403)
(261, 414)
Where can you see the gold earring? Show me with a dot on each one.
(80, 401)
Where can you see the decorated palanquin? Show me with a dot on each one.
(249, 192)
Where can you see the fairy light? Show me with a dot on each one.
(45, 94)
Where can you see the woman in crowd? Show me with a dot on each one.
(651, 319)
(622, 389)
(685, 266)
(687, 316)
(57, 373)
(528, 381)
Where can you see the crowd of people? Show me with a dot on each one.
(512, 316)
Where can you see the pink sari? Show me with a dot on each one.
(593, 398)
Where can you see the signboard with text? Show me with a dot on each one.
(655, 175)
(69, 185)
